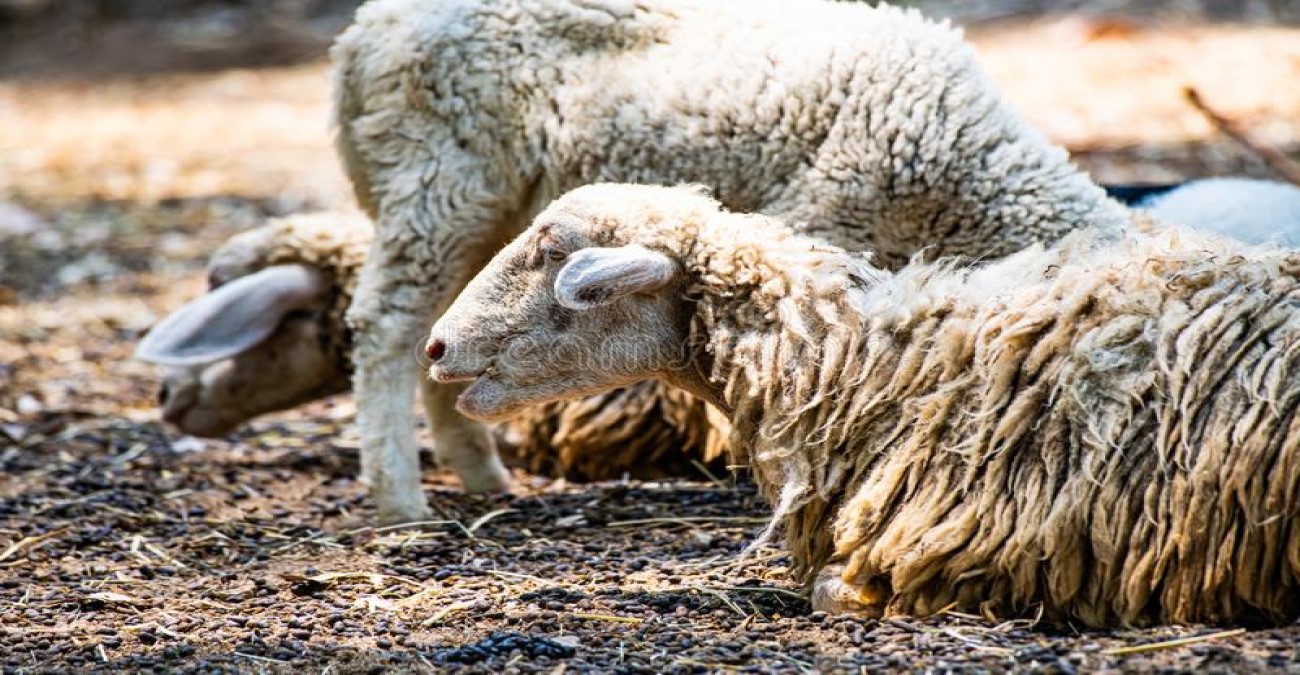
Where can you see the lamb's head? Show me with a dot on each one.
(268, 335)
(587, 299)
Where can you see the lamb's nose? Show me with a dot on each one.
(435, 350)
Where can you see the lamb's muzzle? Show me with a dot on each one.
(444, 375)
(456, 357)
(445, 368)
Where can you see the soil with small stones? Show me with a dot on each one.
(126, 547)
(127, 552)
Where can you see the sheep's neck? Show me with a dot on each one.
(694, 379)
(789, 467)
(768, 375)
(978, 218)
(977, 183)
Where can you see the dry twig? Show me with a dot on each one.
(722, 485)
(447, 611)
(28, 542)
(759, 589)
(1276, 160)
(607, 617)
(688, 520)
(1177, 642)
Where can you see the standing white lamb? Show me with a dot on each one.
(458, 119)
(1105, 428)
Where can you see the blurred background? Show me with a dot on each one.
(136, 135)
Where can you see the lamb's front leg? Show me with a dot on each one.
(406, 280)
(385, 382)
(461, 444)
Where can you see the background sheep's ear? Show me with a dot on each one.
(598, 276)
(232, 318)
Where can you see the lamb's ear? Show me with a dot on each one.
(233, 317)
(598, 276)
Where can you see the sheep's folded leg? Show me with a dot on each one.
(832, 594)
(461, 444)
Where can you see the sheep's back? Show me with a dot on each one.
(1116, 443)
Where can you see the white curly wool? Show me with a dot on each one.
(458, 120)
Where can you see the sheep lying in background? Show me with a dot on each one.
(270, 335)
(1248, 209)
(1105, 427)
(458, 119)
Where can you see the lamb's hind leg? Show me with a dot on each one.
(461, 444)
(832, 594)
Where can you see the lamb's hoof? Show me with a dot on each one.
(488, 476)
(833, 595)
(394, 514)
(490, 484)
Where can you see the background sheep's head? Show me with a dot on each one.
(263, 338)
(587, 299)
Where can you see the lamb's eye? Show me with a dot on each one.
(554, 254)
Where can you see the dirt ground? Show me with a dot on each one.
(124, 546)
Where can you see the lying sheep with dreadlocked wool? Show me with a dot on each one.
(1104, 428)
(270, 335)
